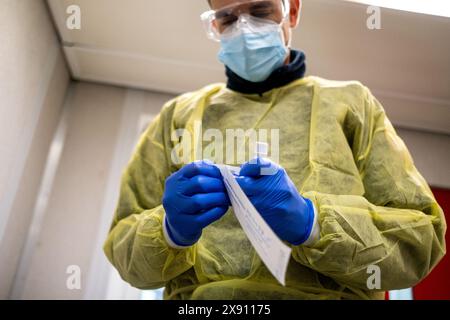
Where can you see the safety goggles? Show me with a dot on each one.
(217, 21)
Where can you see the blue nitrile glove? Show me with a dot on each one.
(194, 197)
(277, 200)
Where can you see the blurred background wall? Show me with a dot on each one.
(33, 83)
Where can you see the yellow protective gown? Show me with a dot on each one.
(340, 150)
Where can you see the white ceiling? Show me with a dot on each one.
(160, 45)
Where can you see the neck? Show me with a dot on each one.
(288, 58)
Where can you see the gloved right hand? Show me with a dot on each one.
(194, 197)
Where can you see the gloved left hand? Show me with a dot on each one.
(276, 198)
(194, 197)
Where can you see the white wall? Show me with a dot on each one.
(431, 154)
(33, 82)
(71, 217)
(74, 225)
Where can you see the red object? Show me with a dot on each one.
(437, 285)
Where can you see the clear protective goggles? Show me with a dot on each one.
(217, 21)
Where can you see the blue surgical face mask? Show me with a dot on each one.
(253, 48)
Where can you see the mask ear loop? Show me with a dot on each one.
(287, 8)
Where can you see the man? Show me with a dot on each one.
(344, 195)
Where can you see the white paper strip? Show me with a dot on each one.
(272, 251)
